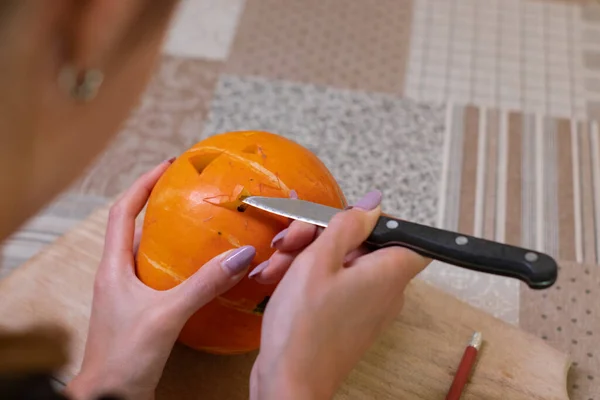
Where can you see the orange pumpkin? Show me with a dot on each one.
(195, 213)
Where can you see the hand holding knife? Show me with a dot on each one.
(537, 270)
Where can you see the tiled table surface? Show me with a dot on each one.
(475, 115)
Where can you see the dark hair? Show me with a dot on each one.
(28, 387)
(37, 386)
(7, 7)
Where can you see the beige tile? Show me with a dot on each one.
(356, 44)
(45, 227)
(590, 36)
(591, 12)
(593, 110)
(466, 220)
(514, 179)
(514, 44)
(203, 28)
(587, 195)
(462, 197)
(512, 157)
(566, 315)
(168, 121)
(591, 60)
(593, 84)
(491, 175)
(565, 196)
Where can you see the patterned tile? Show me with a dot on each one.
(594, 109)
(590, 37)
(591, 60)
(567, 316)
(168, 121)
(590, 47)
(367, 140)
(593, 84)
(356, 44)
(44, 228)
(524, 179)
(204, 28)
(510, 54)
(469, 199)
(591, 12)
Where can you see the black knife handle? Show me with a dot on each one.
(537, 270)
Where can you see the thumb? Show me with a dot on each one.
(214, 278)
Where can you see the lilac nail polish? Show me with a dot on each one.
(369, 201)
(238, 260)
(259, 268)
(279, 237)
(293, 194)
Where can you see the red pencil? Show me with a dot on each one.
(465, 367)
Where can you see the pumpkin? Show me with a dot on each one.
(195, 213)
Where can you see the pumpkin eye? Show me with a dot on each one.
(255, 149)
(252, 149)
(201, 161)
(260, 308)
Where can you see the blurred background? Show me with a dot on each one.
(473, 115)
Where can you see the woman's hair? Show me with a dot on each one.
(6, 9)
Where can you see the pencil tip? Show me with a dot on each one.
(476, 340)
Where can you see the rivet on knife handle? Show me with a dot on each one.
(537, 270)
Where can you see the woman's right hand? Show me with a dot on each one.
(331, 304)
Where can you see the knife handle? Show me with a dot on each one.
(537, 270)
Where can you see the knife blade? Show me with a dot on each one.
(536, 269)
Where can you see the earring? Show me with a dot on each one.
(81, 88)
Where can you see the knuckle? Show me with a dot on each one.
(401, 262)
(350, 224)
(309, 256)
(346, 220)
(162, 318)
(300, 227)
(394, 255)
(102, 283)
(207, 288)
(117, 211)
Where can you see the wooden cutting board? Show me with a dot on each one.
(414, 359)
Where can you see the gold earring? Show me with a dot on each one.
(84, 87)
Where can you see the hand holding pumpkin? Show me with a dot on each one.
(332, 303)
(134, 327)
(332, 299)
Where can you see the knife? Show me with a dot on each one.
(537, 270)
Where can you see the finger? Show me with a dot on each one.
(274, 269)
(302, 233)
(355, 254)
(121, 219)
(137, 237)
(293, 195)
(391, 267)
(296, 237)
(212, 279)
(348, 230)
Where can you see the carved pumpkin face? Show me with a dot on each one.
(195, 213)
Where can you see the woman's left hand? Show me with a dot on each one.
(133, 327)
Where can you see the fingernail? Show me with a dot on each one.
(259, 268)
(369, 201)
(238, 260)
(170, 160)
(277, 238)
(293, 194)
